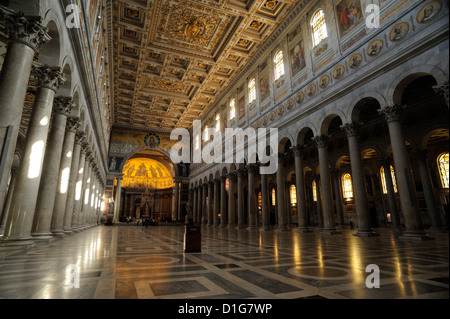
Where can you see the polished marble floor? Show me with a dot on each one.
(131, 262)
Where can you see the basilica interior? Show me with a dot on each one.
(100, 100)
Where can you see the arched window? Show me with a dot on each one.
(227, 184)
(279, 65)
(443, 169)
(259, 201)
(314, 191)
(319, 27)
(383, 179)
(273, 197)
(232, 109)
(293, 195)
(217, 122)
(347, 186)
(251, 90)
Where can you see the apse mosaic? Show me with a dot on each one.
(146, 173)
(125, 143)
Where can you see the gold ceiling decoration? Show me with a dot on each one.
(174, 58)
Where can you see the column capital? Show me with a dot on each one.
(48, 77)
(119, 177)
(217, 180)
(297, 150)
(392, 113)
(79, 138)
(85, 147)
(321, 141)
(223, 178)
(351, 129)
(442, 89)
(251, 168)
(73, 124)
(63, 105)
(25, 29)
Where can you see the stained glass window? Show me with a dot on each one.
(314, 190)
(443, 169)
(273, 197)
(293, 194)
(347, 187)
(383, 179)
(279, 65)
(319, 27)
(232, 109)
(251, 90)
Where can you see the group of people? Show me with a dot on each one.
(144, 221)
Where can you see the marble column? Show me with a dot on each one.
(359, 184)
(265, 223)
(338, 197)
(12, 183)
(281, 195)
(325, 183)
(392, 202)
(62, 106)
(301, 192)
(405, 183)
(231, 201)
(200, 204)
(318, 202)
(23, 203)
(176, 198)
(252, 200)
(26, 36)
(429, 192)
(59, 211)
(78, 198)
(205, 210)
(195, 205)
(223, 204)
(209, 208)
(118, 198)
(240, 199)
(216, 202)
(69, 205)
(86, 191)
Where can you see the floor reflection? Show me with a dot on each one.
(137, 262)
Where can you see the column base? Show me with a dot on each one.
(416, 236)
(14, 244)
(331, 231)
(42, 237)
(239, 227)
(265, 228)
(76, 230)
(303, 230)
(58, 233)
(254, 227)
(68, 232)
(366, 233)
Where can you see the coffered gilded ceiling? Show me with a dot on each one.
(172, 58)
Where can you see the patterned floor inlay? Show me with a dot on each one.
(130, 262)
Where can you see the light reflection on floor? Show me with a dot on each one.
(130, 262)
